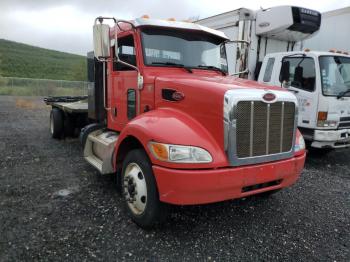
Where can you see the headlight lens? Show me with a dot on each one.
(327, 123)
(300, 144)
(179, 154)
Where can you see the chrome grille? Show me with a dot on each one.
(344, 123)
(264, 129)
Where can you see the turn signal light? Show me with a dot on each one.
(322, 116)
(160, 150)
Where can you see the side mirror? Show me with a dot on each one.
(240, 50)
(284, 75)
(102, 44)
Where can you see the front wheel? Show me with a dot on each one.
(140, 190)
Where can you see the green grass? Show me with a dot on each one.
(34, 87)
(21, 60)
(34, 91)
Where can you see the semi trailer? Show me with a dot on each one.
(167, 120)
(271, 51)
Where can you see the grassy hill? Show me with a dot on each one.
(21, 60)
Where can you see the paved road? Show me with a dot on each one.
(54, 207)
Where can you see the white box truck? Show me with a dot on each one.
(270, 51)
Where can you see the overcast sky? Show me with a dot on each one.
(66, 25)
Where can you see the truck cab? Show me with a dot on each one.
(321, 82)
(174, 128)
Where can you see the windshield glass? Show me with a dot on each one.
(163, 47)
(335, 75)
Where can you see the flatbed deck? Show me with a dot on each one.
(69, 104)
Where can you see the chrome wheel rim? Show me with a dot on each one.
(135, 188)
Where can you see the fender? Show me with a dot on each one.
(172, 126)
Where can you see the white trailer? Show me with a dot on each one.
(276, 29)
(334, 32)
(320, 80)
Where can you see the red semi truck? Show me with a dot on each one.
(166, 118)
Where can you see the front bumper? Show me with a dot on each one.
(331, 138)
(189, 187)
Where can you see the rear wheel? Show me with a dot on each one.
(140, 190)
(56, 123)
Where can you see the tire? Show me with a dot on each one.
(140, 190)
(85, 131)
(56, 123)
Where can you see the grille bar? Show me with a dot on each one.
(251, 129)
(268, 129)
(282, 123)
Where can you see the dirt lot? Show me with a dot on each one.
(54, 206)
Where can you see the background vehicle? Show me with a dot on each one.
(321, 82)
(174, 128)
(273, 36)
(327, 37)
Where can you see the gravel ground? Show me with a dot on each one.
(54, 207)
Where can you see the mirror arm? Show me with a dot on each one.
(237, 41)
(242, 72)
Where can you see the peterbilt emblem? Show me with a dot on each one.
(265, 24)
(178, 96)
(269, 97)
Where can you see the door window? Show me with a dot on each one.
(126, 53)
(302, 72)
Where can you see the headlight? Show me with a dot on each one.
(327, 123)
(322, 120)
(179, 154)
(300, 144)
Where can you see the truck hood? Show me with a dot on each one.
(216, 82)
(203, 97)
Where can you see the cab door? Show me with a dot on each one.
(122, 84)
(301, 80)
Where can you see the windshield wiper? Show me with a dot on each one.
(174, 65)
(342, 94)
(212, 68)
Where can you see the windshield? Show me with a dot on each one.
(163, 47)
(335, 75)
